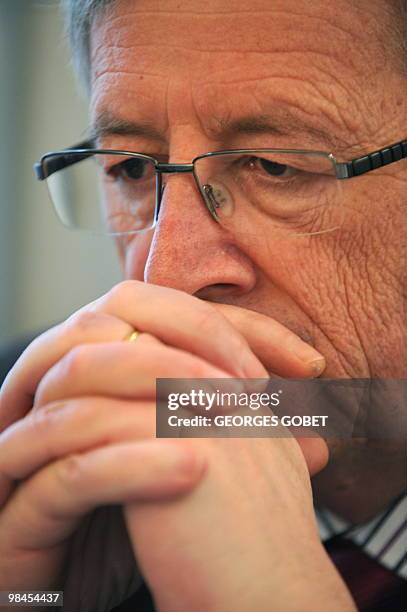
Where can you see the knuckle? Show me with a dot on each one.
(71, 471)
(43, 423)
(83, 412)
(76, 362)
(199, 369)
(39, 423)
(83, 321)
(41, 420)
(123, 290)
(43, 393)
(60, 410)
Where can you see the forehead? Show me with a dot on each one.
(313, 60)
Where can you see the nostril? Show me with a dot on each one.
(217, 291)
(223, 285)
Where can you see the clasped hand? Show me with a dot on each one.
(215, 524)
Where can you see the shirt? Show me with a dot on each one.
(383, 538)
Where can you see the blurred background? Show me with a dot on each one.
(46, 271)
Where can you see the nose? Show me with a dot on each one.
(190, 251)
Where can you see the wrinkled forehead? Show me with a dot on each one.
(324, 57)
(342, 26)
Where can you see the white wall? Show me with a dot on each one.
(46, 271)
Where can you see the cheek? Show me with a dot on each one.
(133, 252)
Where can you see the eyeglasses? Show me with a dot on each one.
(120, 192)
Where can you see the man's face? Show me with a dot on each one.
(214, 75)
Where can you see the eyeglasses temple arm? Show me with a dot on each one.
(60, 161)
(370, 162)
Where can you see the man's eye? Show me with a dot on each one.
(134, 169)
(271, 168)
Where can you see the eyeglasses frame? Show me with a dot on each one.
(343, 170)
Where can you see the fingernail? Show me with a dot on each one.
(309, 356)
(317, 366)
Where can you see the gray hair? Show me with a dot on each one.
(79, 15)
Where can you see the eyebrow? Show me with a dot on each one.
(107, 124)
(286, 124)
(283, 125)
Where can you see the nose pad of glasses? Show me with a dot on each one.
(218, 200)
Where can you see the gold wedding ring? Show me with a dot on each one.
(133, 336)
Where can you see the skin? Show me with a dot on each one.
(336, 309)
(349, 286)
(351, 283)
(90, 419)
